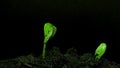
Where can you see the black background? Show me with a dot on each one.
(81, 24)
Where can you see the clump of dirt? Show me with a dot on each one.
(55, 59)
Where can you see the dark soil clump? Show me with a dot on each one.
(55, 59)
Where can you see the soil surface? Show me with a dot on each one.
(55, 59)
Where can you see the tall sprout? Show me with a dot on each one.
(49, 32)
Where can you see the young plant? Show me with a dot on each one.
(100, 51)
(49, 32)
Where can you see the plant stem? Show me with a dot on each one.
(44, 49)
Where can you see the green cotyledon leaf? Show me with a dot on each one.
(100, 50)
(49, 31)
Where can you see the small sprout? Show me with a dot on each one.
(49, 32)
(100, 50)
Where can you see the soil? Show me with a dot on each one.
(55, 59)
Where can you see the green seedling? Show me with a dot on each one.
(100, 51)
(49, 32)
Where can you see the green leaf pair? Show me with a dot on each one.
(49, 31)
